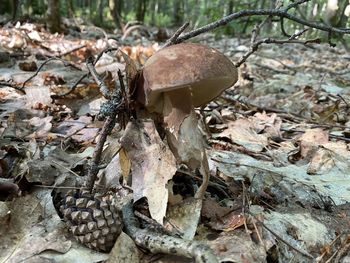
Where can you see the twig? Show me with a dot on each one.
(96, 157)
(83, 76)
(71, 51)
(65, 63)
(292, 5)
(133, 28)
(109, 49)
(161, 243)
(341, 252)
(342, 138)
(107, 128)
(329, 260)
(103, 88)
(255, 45)
(289, 115)
(71, 88)
(282, 13)
(304, 253)
(65, 168)
(296, 4)
(11, 85)
(173, 38)
(319, 258)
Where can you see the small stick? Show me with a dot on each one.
(66, 63)
(72, 88)
(96, 157)
(83, 76)
(255, 45)
(162, 243)
(304, 253)
(12, 85)
(173, 38)
(103, 88)
(319, 258)
(282, 13)
(71, 51)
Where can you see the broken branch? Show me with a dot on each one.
(161, 243)
(282, 13)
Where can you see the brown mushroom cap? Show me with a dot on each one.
(204, 70)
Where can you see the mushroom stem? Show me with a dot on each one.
(184, 137)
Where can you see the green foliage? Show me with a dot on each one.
(162, 13)
(161, 20)
(5, 7)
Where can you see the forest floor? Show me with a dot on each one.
(278, 145)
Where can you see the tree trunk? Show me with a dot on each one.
(154, 10)
(141, 10)
(70, 7)
(100, 5)
(178, 12)
(53, 16)
(15, 5)
(230, 7)
(115, 7)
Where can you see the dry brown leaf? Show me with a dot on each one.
(185, 217)
(109, 178)
(267, 124)
(311, 139)
(222, 218)
(152, 165)
(243, 132)
(187, 145)
(322, 154)
(42, 126)
(131, 72)
(86, 135)
(125, 164)
(124, 250)
(237, 246)
(321, 162)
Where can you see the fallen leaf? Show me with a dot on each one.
(311, 139)
(185, 217)
(243, 132)
(267, 124)
(152, 165)
(124, 251)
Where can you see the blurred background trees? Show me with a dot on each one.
(114, 14)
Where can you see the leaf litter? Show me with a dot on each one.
(278, 153)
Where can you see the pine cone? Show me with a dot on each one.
(92, 219)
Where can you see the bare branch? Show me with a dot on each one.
(72, 88)
(254, 47)
(85, 75)
(12, 85)
(71, 51)
(162, 243)
(174, 37)
(107, 128)
(103, 88)
(296, 4)
(65, 63)
(300, 251)
(282, 13)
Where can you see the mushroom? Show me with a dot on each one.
(173, 82)
(202, 70)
